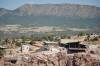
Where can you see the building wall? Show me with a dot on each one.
(25, 48)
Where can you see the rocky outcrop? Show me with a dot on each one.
(1, 61)
(56, 59)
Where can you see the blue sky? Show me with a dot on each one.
(13, 4)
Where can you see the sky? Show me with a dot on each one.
(13, 4)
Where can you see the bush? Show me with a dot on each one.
(32, 42)
(94, 39)
(18, 44)
(81, 34)
(1, 52)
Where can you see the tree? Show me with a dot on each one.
(63, 36)
(94, 39)
(23, 38)
(18, 44)
(44, 38)
(32, 37)
(6, 41)
(50, 36)
(87, 38)
(32, 42)
(81, 34)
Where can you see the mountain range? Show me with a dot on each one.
(50, 14)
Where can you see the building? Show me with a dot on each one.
(50, 43)
(25, 48)
(2, 47)
(73, 46)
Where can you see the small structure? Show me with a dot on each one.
(73, 46)
(49, 46)
(50, 43)
(25, 48)
(2, 48)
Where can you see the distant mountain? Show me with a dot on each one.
(50, 13)
(4, 11)
(55, 9)
(59, 10)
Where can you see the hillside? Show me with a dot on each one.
(50, 13)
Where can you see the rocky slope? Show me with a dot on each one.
(58, 59)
